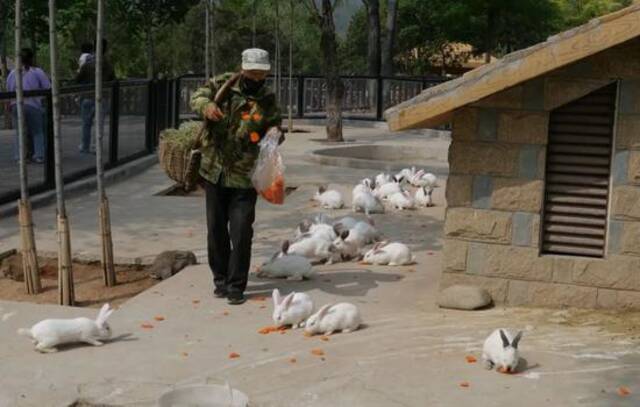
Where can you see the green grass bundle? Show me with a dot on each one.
(175, 148)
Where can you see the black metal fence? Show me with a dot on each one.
(365, 97)
(137, 110)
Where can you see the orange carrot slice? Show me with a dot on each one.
(317, 352)
(623, 391)
(464, 384)
(234, 355)
(159, 318)
(146, 326)
(471, 359)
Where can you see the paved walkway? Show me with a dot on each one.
(409, 354)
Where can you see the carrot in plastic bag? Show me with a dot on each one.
(268, 173)
(275, 192)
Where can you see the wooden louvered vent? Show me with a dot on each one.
(578, 175)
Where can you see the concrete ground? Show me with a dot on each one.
(410, 353)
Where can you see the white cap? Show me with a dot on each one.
(255, 59)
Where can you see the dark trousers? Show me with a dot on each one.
(230, 216)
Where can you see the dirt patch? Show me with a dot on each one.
(89, 286)
(627, 323)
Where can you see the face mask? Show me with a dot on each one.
(250, 86)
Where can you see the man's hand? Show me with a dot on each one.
(212, 112)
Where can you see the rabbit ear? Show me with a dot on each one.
(304, 226)
(285, 246)
(104, 313)
(345, 234)
(323, 311)
(287, 300)
(515, 341)
(505, 340)
(321, 189)
(276, 296)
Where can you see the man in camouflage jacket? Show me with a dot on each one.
(230, 149)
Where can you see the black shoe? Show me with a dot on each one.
(236, 299)
(220, 292)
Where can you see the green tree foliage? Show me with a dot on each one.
(577, 12)
(175, 30)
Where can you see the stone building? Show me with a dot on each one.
(543, 194)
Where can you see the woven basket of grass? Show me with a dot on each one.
(174, 150)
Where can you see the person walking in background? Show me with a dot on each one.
(33, 78)
(86, 54)
(87, 76)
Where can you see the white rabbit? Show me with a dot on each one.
(349, 244)
(392, 254)
(330, 199)
(385, 190)
(320, 230)
(501, 350)
(406, 173)
(345, 223)
(423, 197)
(364, 185)
(292, 310)
(330, 318)
(402, 200)
(313, 248)
(367, 230)
(422, 179)
(382, 178)
(367, 202)
(49, 333)
(291, 267)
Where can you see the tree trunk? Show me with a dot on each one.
(213, 36)
(151, 54)
(3, 50)
(390, 38)
(207, 35)
(30, 266)
(277, 56)
(108, 269)
(373, 43)
(491, 33)
(335, 87)
(65, 273)
(290, 112)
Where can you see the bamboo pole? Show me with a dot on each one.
(290, 124)
(107, 244)
(30, 266)
(108, 268)
(65, 271)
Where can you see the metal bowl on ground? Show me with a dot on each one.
(209, 395)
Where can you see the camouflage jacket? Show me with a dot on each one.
(230, 147)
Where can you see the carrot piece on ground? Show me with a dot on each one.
(623, 391)
(293, 360)
(234, 355)
(146, 326)
(317, 352)
(464, 384)
(471, 359)
(159, 318)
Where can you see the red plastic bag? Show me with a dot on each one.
(268, 173)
